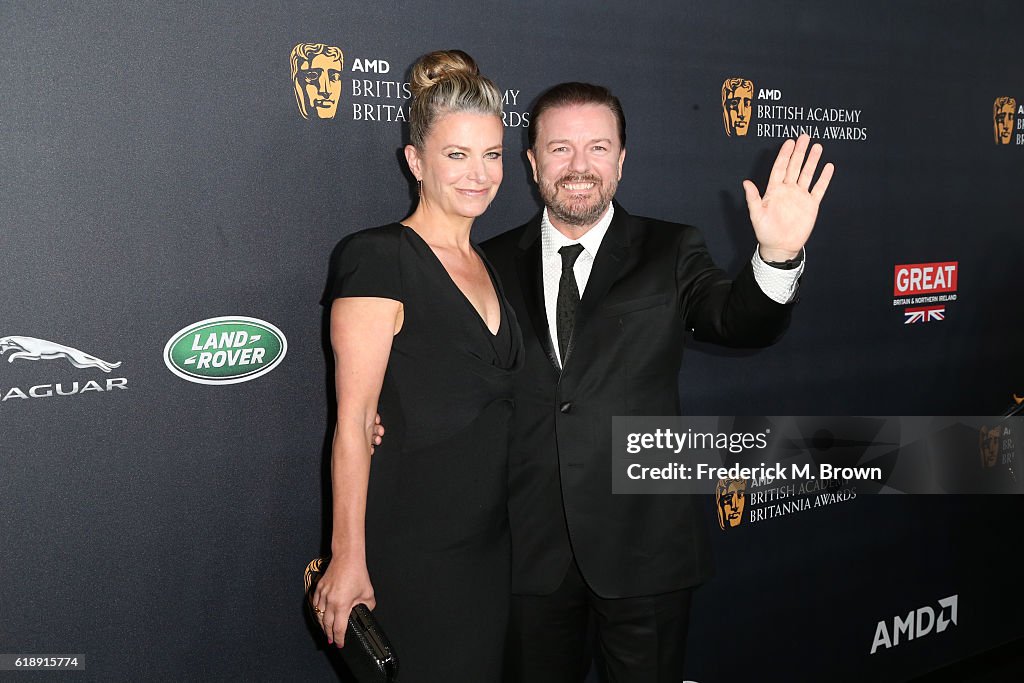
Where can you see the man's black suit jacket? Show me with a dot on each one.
(651, 282)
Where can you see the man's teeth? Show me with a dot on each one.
(578, 186)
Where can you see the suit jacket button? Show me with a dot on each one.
(566, 407)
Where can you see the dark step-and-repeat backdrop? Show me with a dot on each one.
(169, 199)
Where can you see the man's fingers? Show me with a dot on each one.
(818, 191)
(376, 432)
(797, 158)
(753, 196)
(808, 170)
(778, 173)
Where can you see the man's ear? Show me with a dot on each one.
(622, 158)
(533, 164)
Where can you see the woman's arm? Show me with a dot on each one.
(362, 329)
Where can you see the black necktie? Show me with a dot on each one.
(568, 297)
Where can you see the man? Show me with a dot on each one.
(316, 79)
(605, 300)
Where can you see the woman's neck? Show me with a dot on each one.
(439, 229)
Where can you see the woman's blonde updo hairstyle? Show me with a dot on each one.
(444, 82)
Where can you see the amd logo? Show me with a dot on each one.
(378, 66)
(915, 624)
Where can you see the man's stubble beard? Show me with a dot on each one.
(576, 213)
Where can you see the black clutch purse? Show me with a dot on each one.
(367, 652)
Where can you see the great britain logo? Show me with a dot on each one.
(925, 290)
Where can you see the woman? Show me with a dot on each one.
(420, 328)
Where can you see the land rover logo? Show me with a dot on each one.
(225, 350)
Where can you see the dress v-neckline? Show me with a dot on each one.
(462, 295)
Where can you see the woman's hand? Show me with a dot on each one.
(345, 584)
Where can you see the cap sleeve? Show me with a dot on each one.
(365, 263)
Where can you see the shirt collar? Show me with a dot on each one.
(553, 240)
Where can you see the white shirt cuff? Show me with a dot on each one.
(778, 285)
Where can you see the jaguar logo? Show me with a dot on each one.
(30, 348)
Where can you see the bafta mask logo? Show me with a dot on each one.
(737, 105)
(316, 77)
(731, 496)
(988, 445)
(1003, 111)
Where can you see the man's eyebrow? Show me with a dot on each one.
(562, 141)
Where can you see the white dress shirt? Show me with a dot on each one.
(778, 284)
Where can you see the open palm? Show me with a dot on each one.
(784, 217)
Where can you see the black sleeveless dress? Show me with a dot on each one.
(437, 541)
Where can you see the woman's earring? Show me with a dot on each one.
(419, 187)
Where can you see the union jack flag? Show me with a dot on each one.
(924, 314)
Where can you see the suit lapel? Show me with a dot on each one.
(531, 279)
(608, 266)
